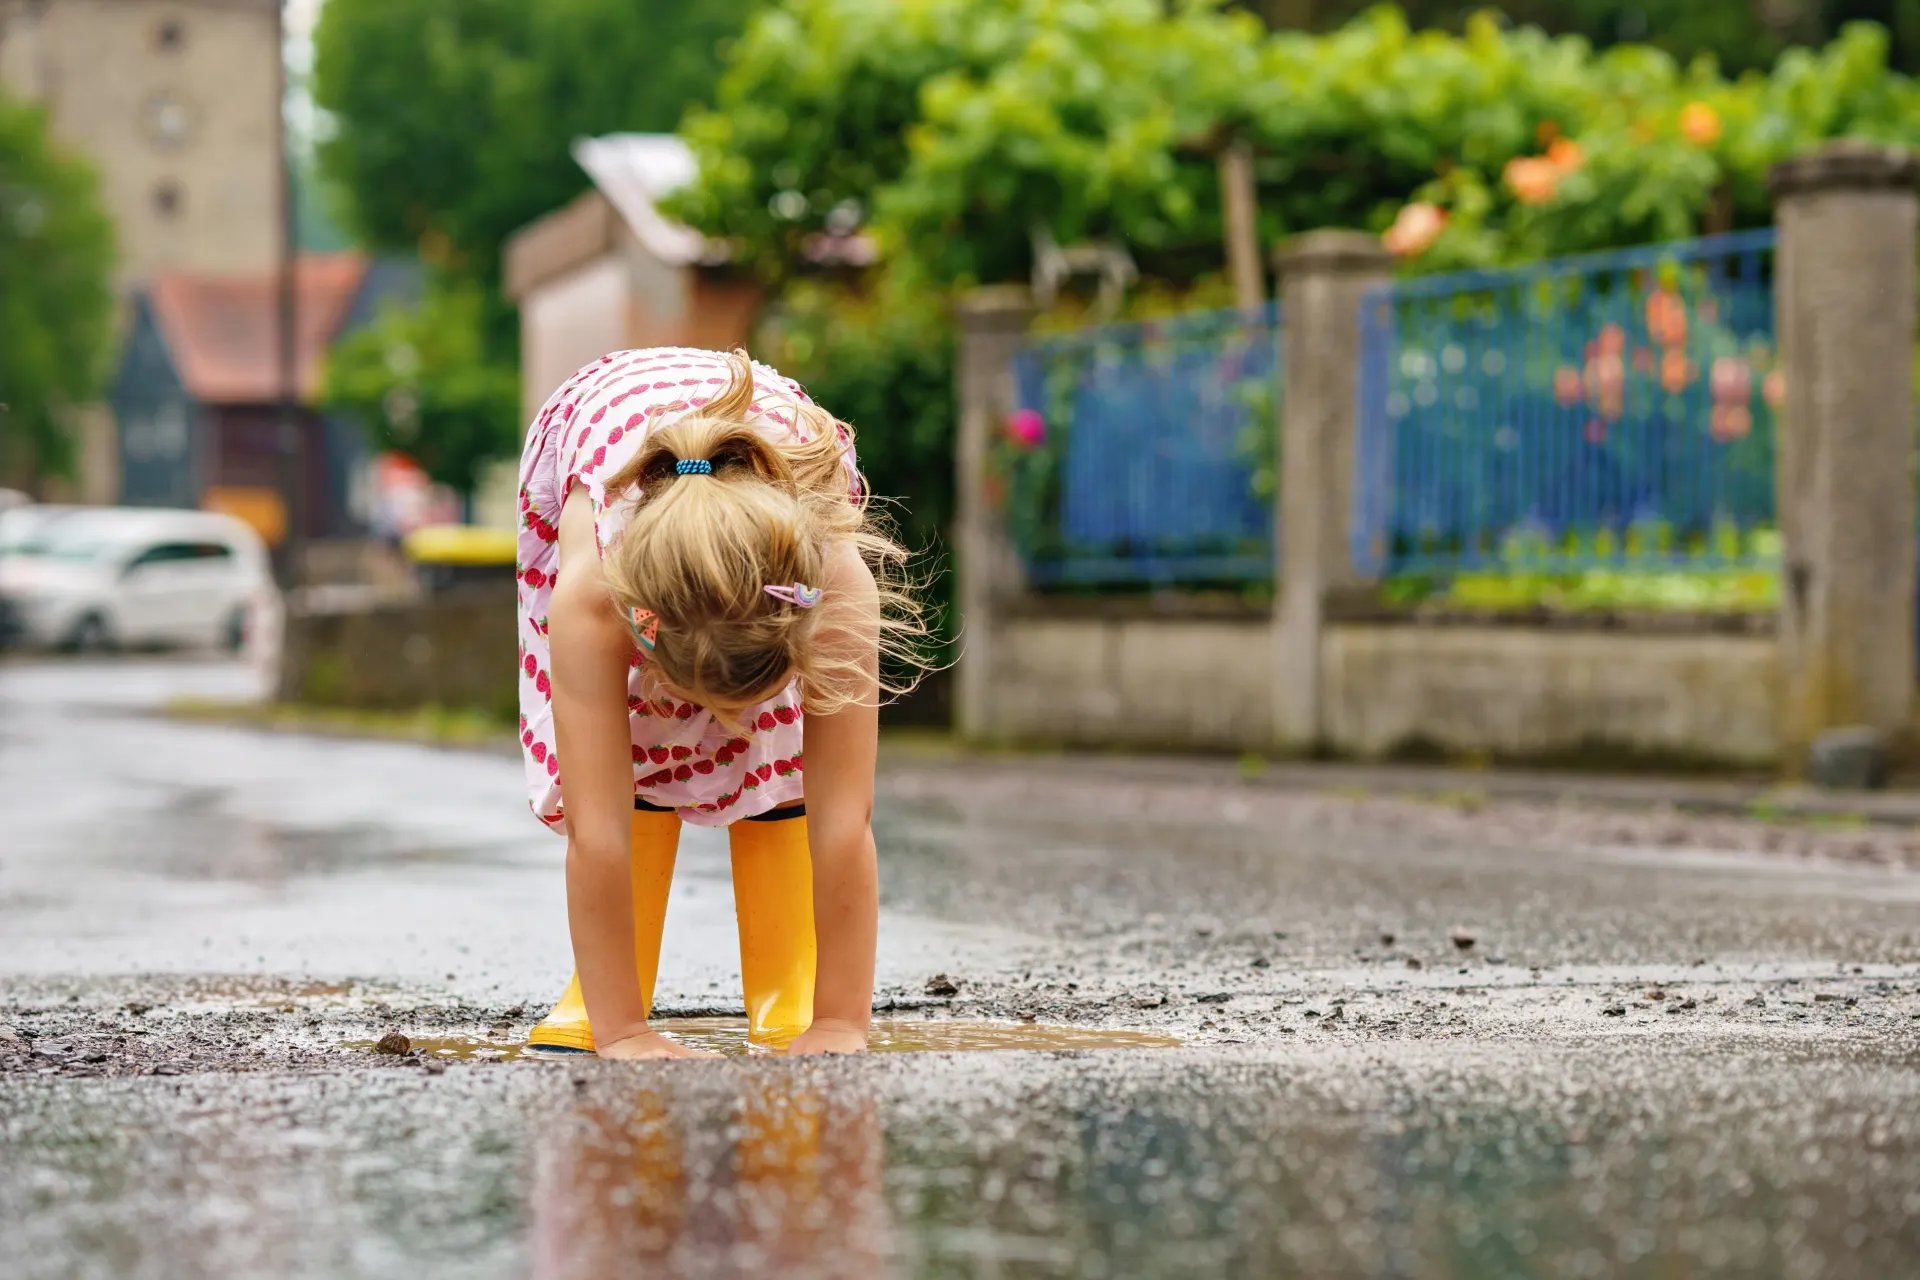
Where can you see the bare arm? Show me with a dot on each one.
(591, 652)
(840, 755)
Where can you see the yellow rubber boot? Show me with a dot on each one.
(656, 841)
(773, 899)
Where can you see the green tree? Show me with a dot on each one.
(451, 129)
(417, 379)
(453, 118)
(56, 295)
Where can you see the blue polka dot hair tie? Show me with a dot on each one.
(693, 467)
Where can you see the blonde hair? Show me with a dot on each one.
(700, 549)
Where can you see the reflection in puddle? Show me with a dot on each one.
(905, 1035)
(712, 1173)
(889, 1035)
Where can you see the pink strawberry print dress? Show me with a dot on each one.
(683, 758)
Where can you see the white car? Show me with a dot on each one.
(103, 577)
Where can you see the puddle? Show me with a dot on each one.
(456, 1047)
(889, 1035)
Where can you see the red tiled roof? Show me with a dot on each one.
(224, 331)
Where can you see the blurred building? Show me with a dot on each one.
(610, 271)
(197, 392)
(177, 103)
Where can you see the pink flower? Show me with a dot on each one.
(1027, 428)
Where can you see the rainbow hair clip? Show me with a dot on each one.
(646, 627)
(799, 594)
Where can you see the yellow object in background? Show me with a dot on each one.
(263, 508)
(460, 544)
(773, 904)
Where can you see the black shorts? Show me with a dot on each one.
(798, 809)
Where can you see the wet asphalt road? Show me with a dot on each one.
(1419, 1040)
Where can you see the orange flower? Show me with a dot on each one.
(1567, 386)
(1612, 340)
(1773, 389)
(1533, 179)
(1566, 155)
(1700, 124)
(1676, 371)
(1666, 318)
(1730, 422)
(1414, 229)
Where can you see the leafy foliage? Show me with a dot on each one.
(959, 127)
(453, 120)
(454, 116)
(418, 380)
(56, 294)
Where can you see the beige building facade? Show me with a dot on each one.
(176, 102)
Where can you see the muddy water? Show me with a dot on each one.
(889, 1035)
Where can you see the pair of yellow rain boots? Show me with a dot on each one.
(773, 901)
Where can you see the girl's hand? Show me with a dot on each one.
(828, 1036)
(643, 1045)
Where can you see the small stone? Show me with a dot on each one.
(941, 985)
(1757, 1002)
(1339, 1014)
(168, 1069)
(435, 1067)
(1850, 759)
(139, 1009)
(1462, 939)
(1149, 1002)
(1614, 1011)
(1261, 962)
(1386, 938)
(1214, 997)
(1656, 994)
(1827, 997)
(394, 1043)
(1413, 962)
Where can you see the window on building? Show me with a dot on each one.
(168, 199)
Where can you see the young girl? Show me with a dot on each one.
(703, 602)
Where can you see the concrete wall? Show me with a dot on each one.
(1525, 693)
(455, 650)
(1145, 682)
(1390, 689)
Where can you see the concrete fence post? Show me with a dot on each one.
(993, 323)
(1844, 312)
(1321, 278)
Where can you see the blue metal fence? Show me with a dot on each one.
(1572, 413)
(1144, 453)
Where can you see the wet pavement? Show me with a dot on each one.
(1414, 1038)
